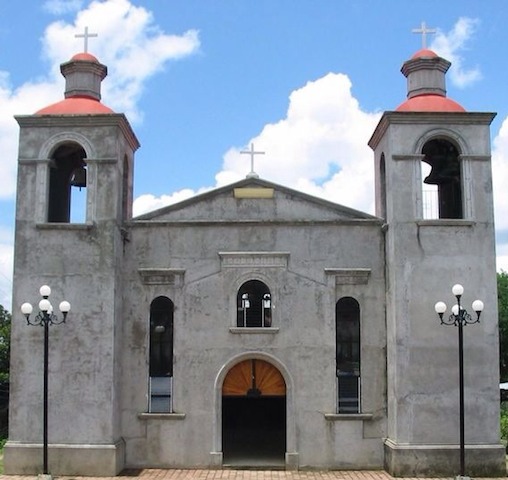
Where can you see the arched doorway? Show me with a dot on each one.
(254, 415)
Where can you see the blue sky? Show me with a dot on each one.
(305, 80)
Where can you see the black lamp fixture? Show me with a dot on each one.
(459, 318)
(45, 318)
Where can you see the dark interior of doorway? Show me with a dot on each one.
(254, 431)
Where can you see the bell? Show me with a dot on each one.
(433, 179)
(78, 178)
(442, 174)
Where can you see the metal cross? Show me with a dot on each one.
(252, 152)
(86, 36)
(424, 30)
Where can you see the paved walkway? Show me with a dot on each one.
(160, 474)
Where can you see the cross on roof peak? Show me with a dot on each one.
(86, 36)
(423, 30)
(252, 152)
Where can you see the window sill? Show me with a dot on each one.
(446, 222)
(64, 226)
(250, 330)
(161, 416)
(338, 417)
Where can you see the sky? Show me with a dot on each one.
(305, 81)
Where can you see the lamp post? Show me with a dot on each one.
(45, 318)
(459, 318)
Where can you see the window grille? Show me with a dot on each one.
(348, 398)
(254, 305)
(160, 395)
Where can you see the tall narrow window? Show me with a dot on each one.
(126, 191)
(347, 324)
(442, 184)
(382, 188)
(254, 305)
(161, 355)
(67, 185)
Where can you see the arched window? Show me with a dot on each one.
(347, 328)
(442, 183)
(161, 355)
(254, 305)
(67, 185)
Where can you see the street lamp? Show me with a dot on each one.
(458, 318)
(45, 318)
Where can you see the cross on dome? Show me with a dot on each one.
(252, 152)
(424, 30)
(86, 36)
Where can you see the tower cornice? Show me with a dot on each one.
(93, 120)
(427, 118)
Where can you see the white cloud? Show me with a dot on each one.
(6, 263)
(500, 180)
(60, 7)
(449, 45)
(132, 46)
(320, 147)
(148, 202)
(129, 43)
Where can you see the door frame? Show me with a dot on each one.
(291, 456)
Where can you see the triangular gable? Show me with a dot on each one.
(253, 199)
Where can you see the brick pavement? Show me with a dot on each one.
(197, 474)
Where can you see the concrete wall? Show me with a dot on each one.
(425, 258)
(81, 263)
(301, 342)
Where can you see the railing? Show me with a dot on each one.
(430, 200)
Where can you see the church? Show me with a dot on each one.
(255, 325)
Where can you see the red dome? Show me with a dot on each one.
(430, 103)
(84, 57)
(424, 53)
(75, 106)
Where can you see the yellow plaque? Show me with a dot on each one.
(253, 192)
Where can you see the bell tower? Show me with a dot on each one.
(76, 155)
(433, 184)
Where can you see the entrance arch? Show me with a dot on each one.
(254, 424)
(254, 415)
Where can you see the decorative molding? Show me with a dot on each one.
(162, 276)
(349, 276)
(409, 156)
(254, 259)
(106, 160)
(60, 138)
(476, 158)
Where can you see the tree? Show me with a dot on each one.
(502, 300)
(5, 344)
(5, 347)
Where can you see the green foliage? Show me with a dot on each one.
(504, 422)
(502, 298)
(5, 344)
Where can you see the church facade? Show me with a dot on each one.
(255, 325)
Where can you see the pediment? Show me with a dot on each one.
(255, 200)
